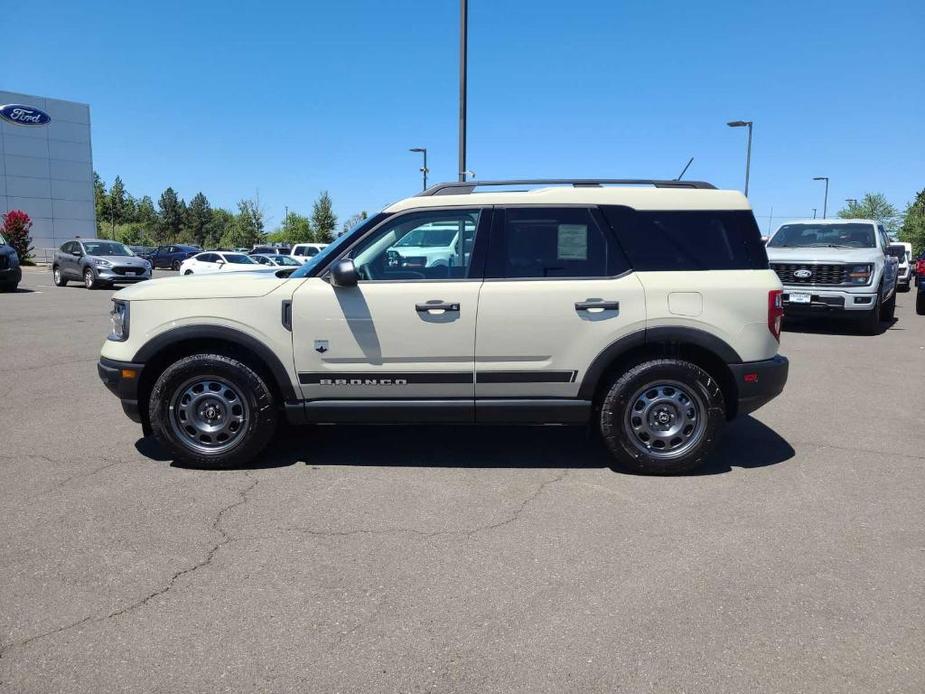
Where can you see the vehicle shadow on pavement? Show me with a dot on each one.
(747, 443)
(823, 325)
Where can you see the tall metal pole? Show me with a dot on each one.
(424, 170)
(463, 50)
(825, 200)
(748, 158)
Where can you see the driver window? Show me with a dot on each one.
(418, 246)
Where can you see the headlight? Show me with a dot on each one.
(101, 262)
(859, 274)
(119, 316)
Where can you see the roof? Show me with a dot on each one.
(835, 220)
(640, 198)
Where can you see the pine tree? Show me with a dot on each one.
(116, 204)
(101, 200)
(198, 216)
(170, 216)
(323, 219)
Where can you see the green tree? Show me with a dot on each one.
(353, 220)
(247, 229)
(101, 200)
(296, 228)
(116, 205)
(170, 216)
(145, 214)
(873, 206)
(323, 219)
(913, 228)
(198, 216)
(219, 227)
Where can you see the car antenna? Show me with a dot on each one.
(684, 170)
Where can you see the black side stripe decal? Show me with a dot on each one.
(442, 377)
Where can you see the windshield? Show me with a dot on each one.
(338, 244)
(808, 235)
(106, 248)
(239, 259)
(285, 260)
(429, 237)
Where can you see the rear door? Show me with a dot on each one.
(558, 290)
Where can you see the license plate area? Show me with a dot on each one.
(800, 298)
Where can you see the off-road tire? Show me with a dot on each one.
(869, 322)
(617, 400)
(57, 277)
(256, 432)
(888, 309)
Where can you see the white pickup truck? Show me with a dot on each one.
(836, 266)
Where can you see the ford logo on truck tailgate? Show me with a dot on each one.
(18, 114)
(802, 274)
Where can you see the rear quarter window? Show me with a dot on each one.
(688, 239)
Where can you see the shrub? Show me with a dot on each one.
(15, 229)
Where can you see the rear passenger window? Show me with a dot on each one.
(540, 242)
(689, 240)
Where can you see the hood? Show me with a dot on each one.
(823, 255)
(211, 286)
(121, 260)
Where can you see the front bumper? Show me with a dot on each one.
(122, 379)
(107, 275)
(11, 275)
(828, 300)
(759, 382)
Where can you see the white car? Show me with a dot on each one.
(275, 260)
(217, 261)
(431, 245)
(305, 251)
(647, 312)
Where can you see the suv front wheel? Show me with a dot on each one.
(212, 411)
(662, 417)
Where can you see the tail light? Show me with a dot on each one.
(920, 267)
(775, 312)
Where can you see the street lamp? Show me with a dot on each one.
(825, 201)
(814, 213)
(748, 154)
(424, 169)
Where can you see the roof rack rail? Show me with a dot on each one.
(466, 187)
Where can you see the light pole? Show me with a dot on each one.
(814, 213)
(825, 200)
(463, 51)
(424, 169)
(748, 153)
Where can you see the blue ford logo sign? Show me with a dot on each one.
(19, 114)
(803, 274)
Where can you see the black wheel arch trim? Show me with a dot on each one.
(219, 332)
(663, 335)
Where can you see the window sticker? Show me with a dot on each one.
(573, 242)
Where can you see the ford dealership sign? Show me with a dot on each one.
(19, 114)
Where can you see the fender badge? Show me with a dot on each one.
(321, 346)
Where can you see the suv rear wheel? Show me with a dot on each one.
(662, 417)
(212, 411)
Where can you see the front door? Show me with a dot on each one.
(557, 292)
(406, 331)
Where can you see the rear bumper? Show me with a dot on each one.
(122, 379)
(759, 382)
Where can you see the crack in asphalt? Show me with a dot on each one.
(216, 526)
(439, 533)
(77, 475)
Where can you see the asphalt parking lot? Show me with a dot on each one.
(454, 559)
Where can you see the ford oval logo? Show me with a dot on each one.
(19, 114)
(802, 274)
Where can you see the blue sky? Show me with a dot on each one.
(289, 99)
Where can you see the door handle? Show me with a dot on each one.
(435, 306)
(602, 305)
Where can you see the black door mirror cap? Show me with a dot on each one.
(344, 273)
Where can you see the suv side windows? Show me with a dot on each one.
(689, 239)
(552, 243)
(402, 248)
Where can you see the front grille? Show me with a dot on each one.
(119, 270)
(4, 262)
(820, 274)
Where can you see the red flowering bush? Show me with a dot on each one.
(15, 229)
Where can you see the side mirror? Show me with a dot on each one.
(77, 254)
(344, 273)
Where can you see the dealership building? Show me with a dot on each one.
(46, 166)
